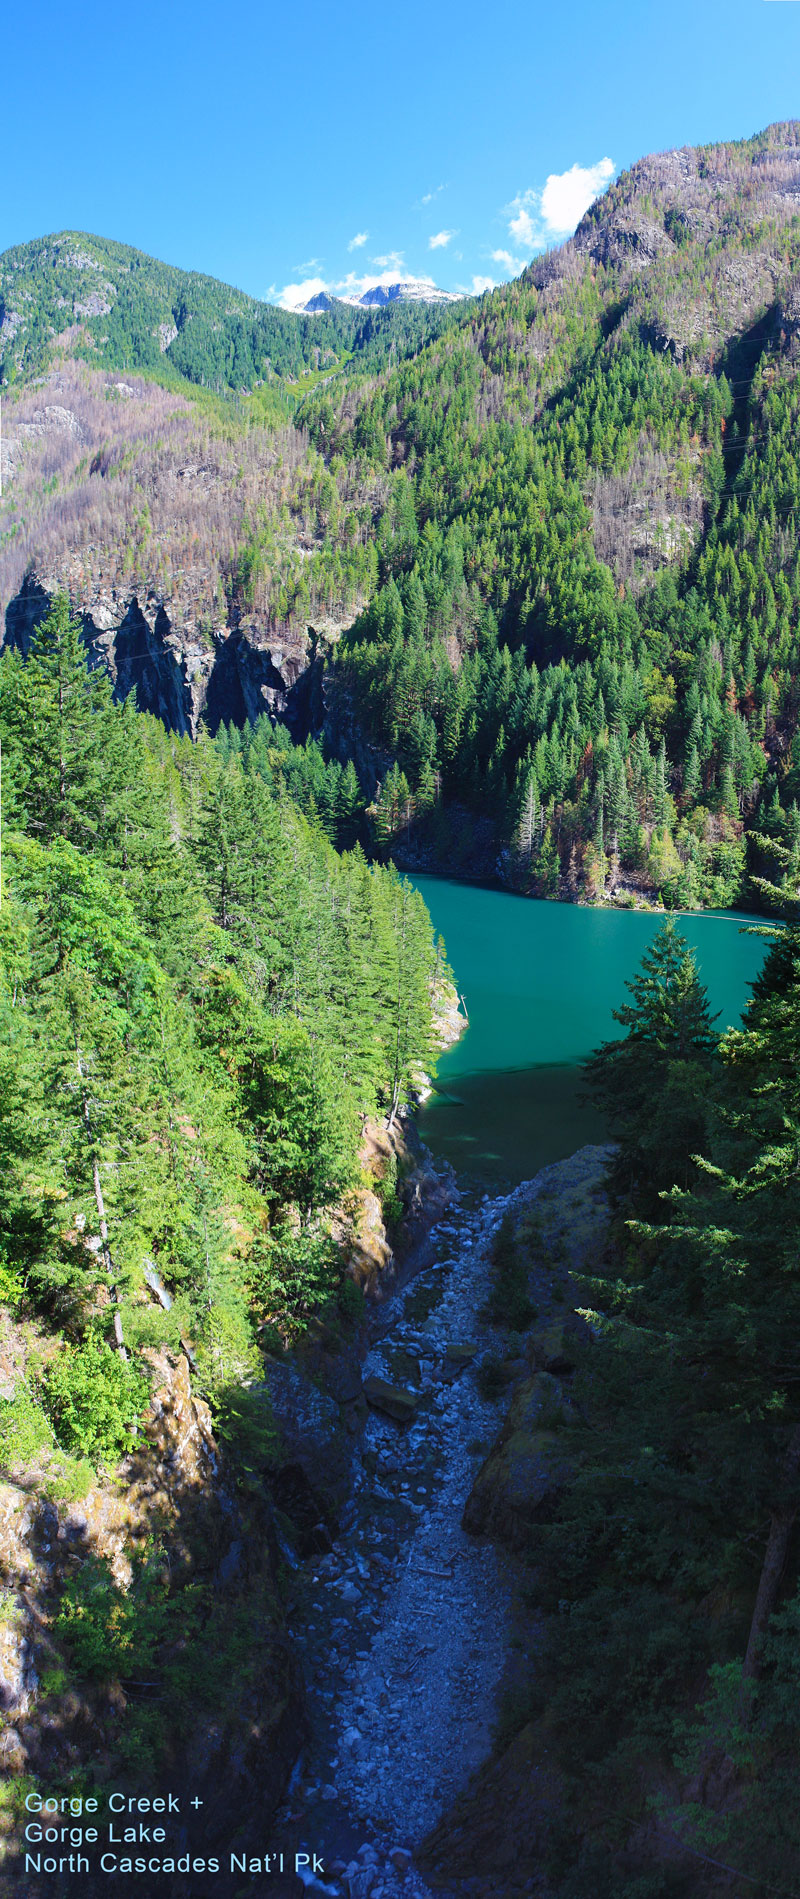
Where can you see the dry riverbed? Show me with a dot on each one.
(406, 1627)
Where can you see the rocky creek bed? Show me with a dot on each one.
(406, 1626)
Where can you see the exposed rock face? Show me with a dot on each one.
(645, 517)
(495, 1836)
(622, 240)
(675, 202)
(318, 1453)
(18, 1677)
(521, 1481)
(52, 420)
(180, 671)
(416, 290)
(144, 513)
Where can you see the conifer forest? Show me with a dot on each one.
(443, 1521)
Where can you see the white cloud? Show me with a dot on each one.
(479, 284)
(430, 195)
(536, 217)
(293, 296)
(440, 239)
(520, 213)
(311, 264)
(357, 241)
(353, 286)
(391, 260)
(568, 194)
(508, 262)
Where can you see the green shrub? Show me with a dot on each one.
(94, 1400)
(11, 1286)
(508, 1302)
(293, 1271)
(351, 1301)
(390, 1199)
(245, 1424)
(24, 1430)
(26, 1437)
(68, 1479)
(493, 1378)
(53, 1681)
(109, 1630)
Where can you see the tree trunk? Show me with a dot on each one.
(780, 1531)
(101, 1215)
(107, 1260)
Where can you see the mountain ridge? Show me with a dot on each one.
(530, 563)
(120, 307)
(378, 295)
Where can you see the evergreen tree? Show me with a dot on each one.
(68, 736)
(199, 1013)
(654, 1083)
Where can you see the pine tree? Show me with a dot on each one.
(654, 1083)
(529, 819)
(69, 736)
(660, 789)
(691, 774)
(350, 806)
(197, 1018)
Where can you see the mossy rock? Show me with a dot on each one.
(556, 1347)
(391, 1399)
(404, 1366)
(523, 1479)
(419, 1304)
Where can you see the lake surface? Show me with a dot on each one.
(540, 981)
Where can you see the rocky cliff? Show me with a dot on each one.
(196, 1549)
(197, 554)
(181, 668)
(229, 1733)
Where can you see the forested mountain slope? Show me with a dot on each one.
(121, 309)
(195, 531)
(587, 618)
(202, 1005)
(198, 539)
(541, 572)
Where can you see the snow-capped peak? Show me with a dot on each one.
(377, 296)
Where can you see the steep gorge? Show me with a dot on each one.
(216, 562)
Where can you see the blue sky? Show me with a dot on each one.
(275, 146)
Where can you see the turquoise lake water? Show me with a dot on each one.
(540, 981)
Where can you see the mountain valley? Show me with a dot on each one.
(442, 1524)
(535, 552)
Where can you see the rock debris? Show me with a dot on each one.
(405, 1624)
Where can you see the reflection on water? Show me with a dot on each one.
(502, 1127)
(541, 981)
